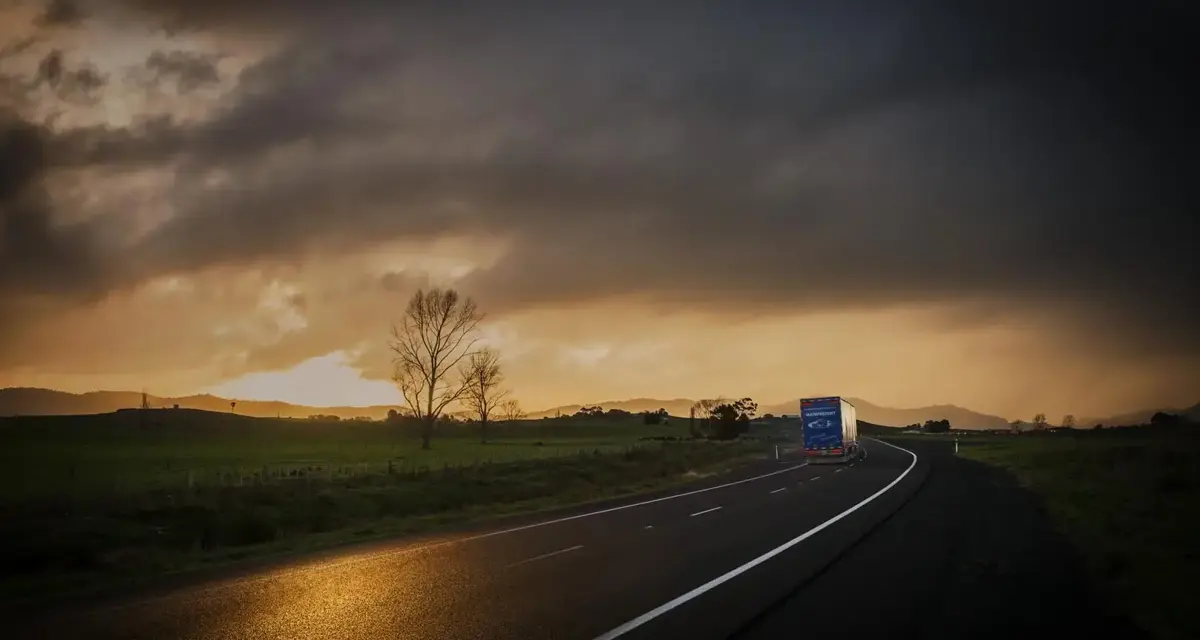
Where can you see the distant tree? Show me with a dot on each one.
(1068, 421)
(1015, 425)
(703, 410)
(392, 415)
(1161, 418)
(590, 412)
(511, 410)
(435, 335)
(936, 426)
(1039, 422)
(732, 418)
(1098, 426)
(482, 378)
(618, 414)
(768, 416)
(654, 417)
(322, 417)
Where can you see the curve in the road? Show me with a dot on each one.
(574, 579)
(726, 577)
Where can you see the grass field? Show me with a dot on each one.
(90, 500)
(119, 453)
(1130, 500)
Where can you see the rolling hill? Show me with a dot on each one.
(32, 402)
(1142, 417)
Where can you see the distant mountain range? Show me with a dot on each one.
(867, 412)
(25, 401)
(30, 401)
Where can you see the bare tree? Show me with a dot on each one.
(511, 410)
(704, 410)
(1039, 422)
(436, 334)
(482, 394)
(1068, 421)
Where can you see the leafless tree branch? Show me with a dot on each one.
(511, 410)
(436, 333)
(482, 378)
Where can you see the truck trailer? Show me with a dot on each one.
(830, 430)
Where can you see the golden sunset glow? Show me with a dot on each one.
(325, 381)
(241, 200)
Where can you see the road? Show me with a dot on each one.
(971, 555)
(700, 563)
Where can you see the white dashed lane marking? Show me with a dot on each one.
(548, 555)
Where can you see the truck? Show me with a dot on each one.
(830, 430)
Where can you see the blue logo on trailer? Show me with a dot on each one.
(822, 418)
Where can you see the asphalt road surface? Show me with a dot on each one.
(700, 563)
(971, 555)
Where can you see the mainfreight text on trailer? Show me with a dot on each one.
(830, 429)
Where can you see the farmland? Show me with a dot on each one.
(127, 452)
(131, 495)
(1130, 501)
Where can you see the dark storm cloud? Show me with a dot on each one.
(75, 85)
(61, 12)
(187, 70)
(783, 154)
(44, 261)
(37, 255)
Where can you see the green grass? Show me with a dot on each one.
(93, 501)
(43, 457)
(1130, 500)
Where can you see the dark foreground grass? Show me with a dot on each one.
(132, 452)
(1130, 500)
(73, 542)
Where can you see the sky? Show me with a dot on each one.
(990, 204)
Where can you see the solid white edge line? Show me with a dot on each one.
(700, 513)
(719, 580)
(545, 555)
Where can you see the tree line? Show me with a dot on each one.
(1040, 423)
